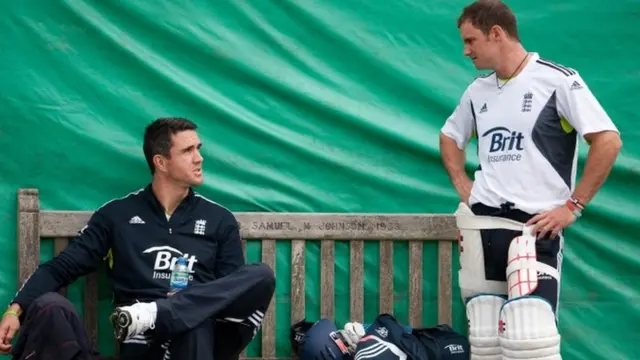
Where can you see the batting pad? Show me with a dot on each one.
(483, 312)
(471, 275)
(523, 266)
(528, 330)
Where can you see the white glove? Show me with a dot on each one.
(352, 333)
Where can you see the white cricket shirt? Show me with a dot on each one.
(527, 134)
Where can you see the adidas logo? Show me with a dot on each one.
(483, 108)
(136, 220)
(576, 85)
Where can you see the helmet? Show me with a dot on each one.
(318, 341)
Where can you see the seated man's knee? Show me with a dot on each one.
(52, 299)
(265, 273)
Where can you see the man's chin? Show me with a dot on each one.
(197, 181)
(480, 66)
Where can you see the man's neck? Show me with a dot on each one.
(513, 61)
(169, 194)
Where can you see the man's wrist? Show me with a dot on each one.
(14, 309)
(575, 206)
(11, 313)
(461, 183)
(580, 200)
(460, 178)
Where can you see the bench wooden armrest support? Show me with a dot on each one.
(34, 224)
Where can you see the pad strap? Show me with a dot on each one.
(542, 267)
(475, 222)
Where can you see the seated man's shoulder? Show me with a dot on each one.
(216, 209)
(118, 203)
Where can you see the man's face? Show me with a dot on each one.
(184, 165)
(479, 47)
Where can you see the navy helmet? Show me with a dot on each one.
(318, 341)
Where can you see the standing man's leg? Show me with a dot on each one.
(486, 265)
(528, 320)
(483, 244)
(237, 303)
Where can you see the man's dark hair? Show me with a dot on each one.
(484, 14)
(157, 137)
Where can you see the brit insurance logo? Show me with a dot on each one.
(165, 260)
(505, 145)
(455, 349)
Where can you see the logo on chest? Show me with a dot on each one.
(504, 144)
(165, 260)
(527, 102)
(199, 227)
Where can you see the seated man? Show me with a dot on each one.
(141, 235)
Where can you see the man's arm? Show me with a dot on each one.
(453, 159)
(603, 151)
(454, 137)
(581, 109)
(578, 105)
(230, 256)
(81, 257)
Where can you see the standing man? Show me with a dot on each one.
(528, 115)
(141, 235)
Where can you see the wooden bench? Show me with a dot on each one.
(35, 224)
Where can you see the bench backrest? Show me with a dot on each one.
(34, 225)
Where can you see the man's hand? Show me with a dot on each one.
(552, 221)
(8, 328)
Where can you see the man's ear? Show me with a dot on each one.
(160, 162)
(496, 32)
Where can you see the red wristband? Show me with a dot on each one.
(574, 207)
(576, 202)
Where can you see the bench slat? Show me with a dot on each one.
(415, 284)
(310, 226)
(297, 280)
(244, 249)
(269, 322)
(445, 258)
(356, 286)
(28, 233)
(327, 276)
(60, 244)
(91, 307)
(386, 276)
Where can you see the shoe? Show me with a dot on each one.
(128, 321)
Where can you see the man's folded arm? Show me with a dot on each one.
(230, 256)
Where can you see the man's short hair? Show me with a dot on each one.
(484, 14)
(157, 137)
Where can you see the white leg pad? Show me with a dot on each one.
(527, 330)
(483, 312)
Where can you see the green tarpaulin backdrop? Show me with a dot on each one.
(330, 106)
